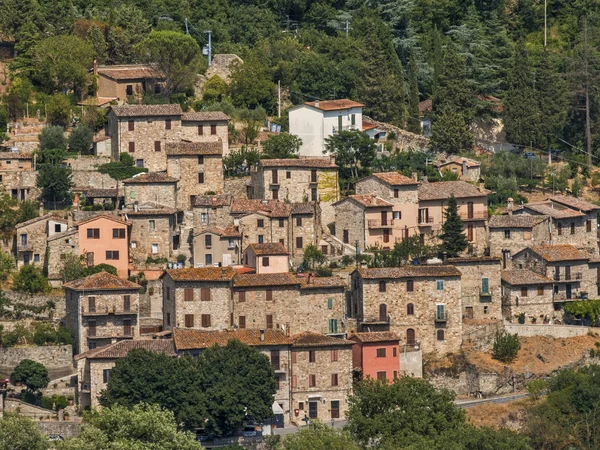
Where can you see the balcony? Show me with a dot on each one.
(425, 220)
(574, 296)
(441, 318)
(574, 276)
(337, 130)
(24, 247)
(476, 215)
(373, 223)
(123, 334)
(106, 310)
(376, 320)
(485, 296)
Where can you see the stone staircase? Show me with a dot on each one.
(341, 249)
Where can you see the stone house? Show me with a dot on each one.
(267, 258)
(199, 168)
(467, 169)
(94, 366)
(421, 304)
(59, 246)
(212, 211)
(274, 344)
(527, 292)
(31, 239)
(120, 82)
(472, 208)
(376, 355)
(197, 298)
(101, 309)
(18, 176)
(321, 377)
(104, 239)
(217, 246)
(480, 287)
(150, 188)
(144, 130)
(511, 233)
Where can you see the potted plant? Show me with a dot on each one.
(70, 400)
(521, 318)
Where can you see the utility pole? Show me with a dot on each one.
(278, 98)
(209, 32)
(588, 131)
(347, 27)
(187, 30)
(545, 23)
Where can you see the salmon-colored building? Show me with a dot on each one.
(104, 240)
(267, 258)
(376, 355)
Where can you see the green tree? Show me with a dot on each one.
(19, 433)
(30, 280)
(122, 169)
(176, 55)
(313, 257)
(451, 133)
(282, 145)
(214, 90)
(74, 267)
(506, 347)
(318, 437)
(7, 265)
(31, 374)
(58, 109)
(252, 86)
(413, 122)
(81, 140)
(28, 210)
(54, 176)
(19, 94)
(142, 427)
(552, 100)
(8, 211)
(454, 241)
(96, 37)
(238, 162)
(403, 252)
(354, 151)
(52, 138)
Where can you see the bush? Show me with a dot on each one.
(506, 347)
(81, 140)
(30, 280)
(52, 138)
(536, 388)
(47, 402)
(324, 272)
(29, 397)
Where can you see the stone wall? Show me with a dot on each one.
(40, 300)
(555, 331)
(349, 216)
(475, 303)
(58, 359)
(537, 304)
(58, 248)
(35, 246)
(405, 140)
(411, 362)
(236, 187)
(186, 168)
(12, 405)
(86, 175)
(483, 336)
(143, 235)
(161, 193)
(518, 238)
(66, 429)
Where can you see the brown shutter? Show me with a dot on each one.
(205, 294)
(189, 320)
(269, 321)
(188, 294)
(242, 322)
(242, 296)
(131, 125)
(157, 146)
(205, 320)
(168, 124)
(200, 130)
(131, 147)
(269, 295)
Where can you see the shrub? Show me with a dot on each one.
(506, 347)
(536, 388)
(324, 272)
(30, 280)
(47, 402)
(29, 397)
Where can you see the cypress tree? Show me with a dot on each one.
(454, 241)
(552, 100)
(413, 124)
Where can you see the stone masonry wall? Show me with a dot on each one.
(482, 307)
(144, 236)
(535, 305)
(349, 216)
(518, 240)
(36, 236)
(294, 184)
(161, 193)
(56, 358)
(56, 249)
(186, 170)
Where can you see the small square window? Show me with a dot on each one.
(440, 285)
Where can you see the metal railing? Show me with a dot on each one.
(441, 318)
(425, 220)
(476, 215)
(373, 223)
(106, 310)
(573, 276)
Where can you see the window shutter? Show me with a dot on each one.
(329, 303)
(269, 295)
(188, 294)
(485, 285)
(205, 294)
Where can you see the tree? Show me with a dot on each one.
(74, 267)
(354, 151)
(454, 241)
(318, 437)
(54, 176)
(52, 138)
(28, 210)
(313, 257)
(506, 347)
(7, 264)
(81, 140)
(176, 55)
(552, 100)
(252, 86)
(31, 374)
(252, 120)
(403, 252)
(18, 432)
(214, 90)
(238, 163)
(59, 110)
(451, 133)
(96, 37)
(30, 280)
(19, 94)
(142, 427)
(413, 122)
(8, 211)
(282, 145)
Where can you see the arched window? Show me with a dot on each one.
(383, 313)
(382, 286)
(410, 337)
(410, 309)
(440, 335)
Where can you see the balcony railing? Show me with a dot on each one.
(563, 297)
(373, 223)
(337, 130)
(476, 215)
(441, 317)
(106, 310)
(101, 334)
(376, 319)
(425, 220)
(24, 247)
(573, 276)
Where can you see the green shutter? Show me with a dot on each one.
(339, 124)
(353, 118)
(440, 311)
(485, 285)
(440, 285)
(333, 326)
(329, 303)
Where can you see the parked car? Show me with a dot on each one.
(529, 155)
(556, 154)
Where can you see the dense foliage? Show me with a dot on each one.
(454, 241)
(33, 375)
(18, 432)
(506, 347)
(31, 280)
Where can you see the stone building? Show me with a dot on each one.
(120, 82)
(529, 293)
(421, 304)
(143, 131)
(59, 246)
(94, 366)
(467, 169)
(321, 377)
(199, 168)
(31, 239)
(18, 176)
(511, 233)
(480, 287)
(150, 188)
(217, 246)
(267, 258)
(274, 344)
(376, 355)
(212, 211)
(197, 298)
(101, 309)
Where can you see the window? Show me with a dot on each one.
(333, 325)
(282, 242)
(130, 123)
(312, 356)
(275, 359)
(506, 234)
(139, 163)
(485, 285)
(440, 285)
(383, 312)
(313, 176)
(274, 177)
(203, 217)
(313, 410)
(230, 244)
(265, 261)
(275, 194)
(188, 295)
(242, 322)
(112, 254)
(213, 129)
(381, 352)
(90, 259)
(277, 383)
(588, 224)
(157, 88)
(131, 147)
(269, 295)
(26, 257)
(281, 223)
(200, 160)
(527, 235)
(346, 237)
(169, 319)
(382, 286)
(269, 321)
(242, 296)
(396, 215)
(154, 249)
(485, 309)
(470, 210)
(200, 177)
(208, 259)
(440, 335)
(394, 352)
(410, 309)
(382, 375)
(36, 257)
(56, 225)
(260, 223)
(200, 130)
(293, 357)
(295, 385)
(334, 355)
(105, 375)
(329, 303)
(572, 227)
(299, 243)
(299, 221)
(312, 381)
(314, 195)
(559, 229)
(118, 233)
(524, 291)
(396, 193)
(288, 174)
(540, 290)
(126, 303)
(353, 119)
(167, 124)
(189, 320)
(91, 328)
(157, 146)
(395, 374)
(205, 294)
(410, 285)
(205, 320)
(335, 409)
(208, 241)
(152, 224)
(92, 304)
(92, 233)
(411, 337)
(334, 379)
(261, 239)
(470, 235)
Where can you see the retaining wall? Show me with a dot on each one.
(58, 359)
(555, 331)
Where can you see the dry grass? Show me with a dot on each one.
(504, 415)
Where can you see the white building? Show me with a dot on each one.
(313, 122)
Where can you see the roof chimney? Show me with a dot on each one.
(464, 166)
(95, 68)
(262, 335)
(332, 159)
(317, 103)
(69, 220)
(309, 278)
(509, 205)
(42, 208)
(415, 176)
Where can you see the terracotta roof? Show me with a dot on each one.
(322, 283)
(122, 348)
(194, 148)
(150, 209)
(64, 234)
(366, 125)
(474, 259)
(151, 177)
(516, 221)
(376, 336)
(564, 252)
(204, 116)
(518, 277)
(102, 281)
(471, 163)
(443, 190)
(395, 178)
(223, 232)
(97, 101)
(213, 201)
(36, 219)
(309, 163)
(129, 72)
(303, 208)
(147, 110)
(334, 105)
(268, 249)
(15, 155)
(190, 339)
(575, 203)
(102, 216)
(307, 339)
(97, 192)
(273, 208)
(368, 201)
(410, 271)
(202, 274)
(265, 280)
(550, 209)
(425, 105)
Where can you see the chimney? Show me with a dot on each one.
(95, 68)
(42, 208)
(223, 272)
(262, 335)
(316, 103)
(69, 220)
(445, 258)
(309, 278)
(509, 205)
(464, 166)
(136, 207)
(415, 176)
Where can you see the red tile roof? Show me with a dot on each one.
(38, 219)
(204, 116)
(190, 339)
(151, 177)
(122, 348)
(265, 280)
(194, 148)
(102, 216)
(202, 274)
(307, 339)
(409, 271)
(556, 253)
(213, 201)
(519, 277)
(443, 190)
(334, 105)
(575, 203)
(309, 163)
(368, 201)
(102, 281)
(425, 105)
(322, 283)
(376, 336)
(550, 209)
(223, 232)
(474, 259)
(516, 221)
(129, 72)
(272, 208)
(147, 110)
(150, 209)
(268, 249)
(366, 125)
(395, 179)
